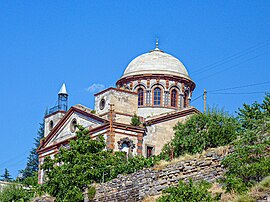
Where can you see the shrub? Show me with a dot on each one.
(15, 193)
(135, 121)
(202, 131)
(250, 161)
(187, 192)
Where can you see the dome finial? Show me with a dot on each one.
(156, 44)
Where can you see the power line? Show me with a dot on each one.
(232, 57)
(237, 87)
(238, 93)
(11, 160)
(196, 98)
(233, 66)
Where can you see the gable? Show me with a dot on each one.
(65, 132)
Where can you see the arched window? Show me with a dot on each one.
(185, 100)
(174, 98)
(157, 96)
(140, 97)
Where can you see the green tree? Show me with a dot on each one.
(201, 131)
(85, 161)
(250, 161)
(6, 176)
(187, 192)
(31, 168)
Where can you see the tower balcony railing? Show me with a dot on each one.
(57, 108)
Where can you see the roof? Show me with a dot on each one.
(156, 62)
(63, 90)
(172, 115)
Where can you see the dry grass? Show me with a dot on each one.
(252, 195)
(219, 150)
(151, 198)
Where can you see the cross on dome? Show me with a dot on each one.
(156, 44)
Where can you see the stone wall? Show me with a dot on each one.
(149, 182)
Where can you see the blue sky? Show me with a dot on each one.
(223, 44)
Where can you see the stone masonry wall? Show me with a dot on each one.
(136, 186)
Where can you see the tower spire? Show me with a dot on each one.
(63, 90)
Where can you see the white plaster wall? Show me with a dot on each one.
(55, 118)
(65, 131)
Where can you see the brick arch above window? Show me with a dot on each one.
(154, 85)
(140, 85)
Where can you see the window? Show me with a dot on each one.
(149, 151)
(73, 125)
(125, 148)
(157, 96)
(186, 100)
(102, 104)
(140, 97)
(51, 125)
(174, 98)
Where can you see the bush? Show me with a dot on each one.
(250, 161)
(15, 193)
(187, 192)
(202, 131)
(135, 120)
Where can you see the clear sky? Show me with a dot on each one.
(86, 44)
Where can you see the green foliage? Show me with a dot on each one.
(135, 121)
(84, 163)
(15, 193)
(93, 111)
(6, 176)
(187, 192)
(201, 131)
(91, 193)
(31, 180)
(250, 161)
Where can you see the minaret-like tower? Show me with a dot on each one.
(57, 112)
(63, 99)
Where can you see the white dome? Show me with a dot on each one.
(156, 62)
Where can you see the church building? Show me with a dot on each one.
(155, 86)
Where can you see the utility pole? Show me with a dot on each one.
(204, 100)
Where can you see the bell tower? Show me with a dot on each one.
(57, 112)
(63, 99)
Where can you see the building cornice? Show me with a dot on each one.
(116, 89)
(127, 79)
(171, 116)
